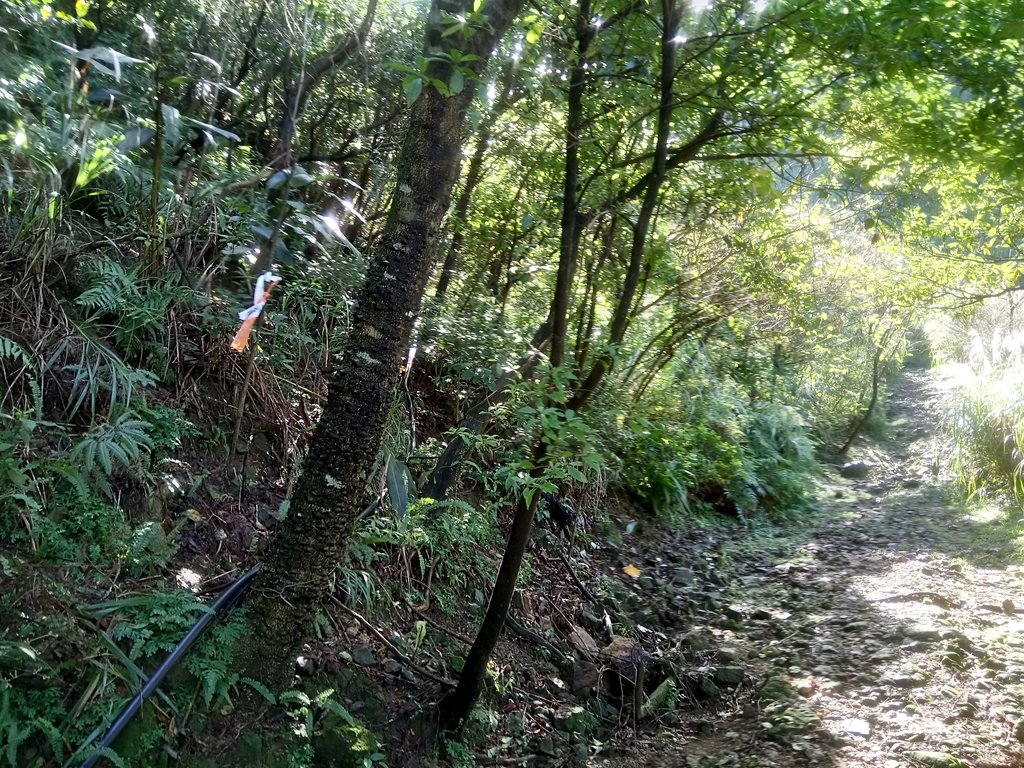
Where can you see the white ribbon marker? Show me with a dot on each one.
(259, 300)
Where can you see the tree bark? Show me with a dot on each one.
(296, 577)
(456, 706)
(569, 243)
(249, 54)
(474, 174)
(460, 217)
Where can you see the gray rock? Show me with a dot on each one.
(900, 680)
(918, 646)
(698, 640)
(734, 612)
(585, 677)
(622, 651)
(728, 654)
(545, 745)
(857, 727)
(958, 639)
(582, 642)
(1018, 731)
(855, 470)
(709, 689)
(363, 656)
(683, 576)
(729, 676)
(591, 621)
(922, 632)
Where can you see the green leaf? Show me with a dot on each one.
(81, 7)
(412, 87)
(398, 491)
(300, 177)
(217, 131)
(278, 179)
(457, 82)
(528, 494)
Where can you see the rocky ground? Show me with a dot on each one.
(890, 633)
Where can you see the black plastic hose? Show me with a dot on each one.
(223, 603)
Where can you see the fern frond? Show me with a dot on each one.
(260, 688)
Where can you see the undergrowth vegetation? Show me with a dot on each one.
(156, 158)
(983, 349)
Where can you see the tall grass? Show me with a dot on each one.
(986, 422)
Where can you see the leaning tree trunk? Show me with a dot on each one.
(865, 416)
(296, 576)
(456, 706)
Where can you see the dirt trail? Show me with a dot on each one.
(889, 634)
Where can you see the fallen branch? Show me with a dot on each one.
(528, 634)
(909, 597)
(579, 584)
(441, 628)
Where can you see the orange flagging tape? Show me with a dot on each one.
(249, 317)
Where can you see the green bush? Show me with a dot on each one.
(736, 459)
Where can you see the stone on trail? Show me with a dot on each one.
(582, 642)
(709, 689)
(729, 675)
(1018, 731)
(923, 633)
(857, 727)
(698, 640)
(855, 470)
(363, 656)
(622, 651)
(807, 687)
(734, 612)
(585, 677)
(902, 680)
